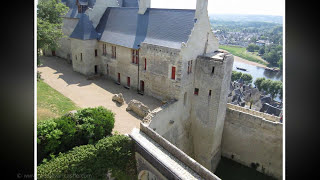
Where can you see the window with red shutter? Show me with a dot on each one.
(173, 73)
(145, 64)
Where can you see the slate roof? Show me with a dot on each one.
(162, 27)
(84, 29)
(128, 3)
(73, 8)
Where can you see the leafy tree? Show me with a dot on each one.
(280, 64)
(274, 88)
(272, 57)
(258, 82)
(235, 76)
(265, 85)
(49, 23)
(247, 78)
(261, 50)
(251, 48)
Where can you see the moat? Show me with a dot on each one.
(231, 170)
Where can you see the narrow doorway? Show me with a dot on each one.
(142, 86)
(95, 69)
(119, 78)
(53, 53)
(107, 70)
(128, 81)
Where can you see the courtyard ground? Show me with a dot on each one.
(57, 73)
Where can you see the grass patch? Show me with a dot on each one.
(243, 53)
(51, 103)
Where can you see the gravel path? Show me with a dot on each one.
(92, 93)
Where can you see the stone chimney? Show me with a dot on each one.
(201, 8)
(143, 5)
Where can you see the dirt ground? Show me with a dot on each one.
(239, 59)
(57, 73)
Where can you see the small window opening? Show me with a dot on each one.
(209, 92)
(95, 52)
(212, 70)
(196, 91)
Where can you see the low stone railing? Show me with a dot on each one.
(177, 153)
(253, 112)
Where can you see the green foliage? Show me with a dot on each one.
(269, 86)
(113, 153)
(61, 134)
(96, 123)
(280, 64)
(49, 23)
(261, 50)
(51, 103)
(242, 52)
(38, 76)
(235, 76)
(258, 82)
(272, 57)
(247, 78)
(251, 47)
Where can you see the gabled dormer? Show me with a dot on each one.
(82, 5)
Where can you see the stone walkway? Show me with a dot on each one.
(167, 159)
(57, 73)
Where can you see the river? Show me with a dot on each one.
(257, 72)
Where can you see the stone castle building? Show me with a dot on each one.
(170, 54)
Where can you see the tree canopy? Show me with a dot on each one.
(49, 23)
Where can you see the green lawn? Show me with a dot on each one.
(243, 53)
(51, 103)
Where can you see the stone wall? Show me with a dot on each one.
(172, 122)
(253, 141)
(157, 76)
(253, 112)
(64, 51)
(209, 106)
(121, 64)
(177, 153)
(87, 48)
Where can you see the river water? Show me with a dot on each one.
(257, 72)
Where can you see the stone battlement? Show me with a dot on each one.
(255, 113)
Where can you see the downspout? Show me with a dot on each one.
(138, 88)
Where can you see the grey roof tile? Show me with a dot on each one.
(84, 29)
(162, 27)
(129, 3)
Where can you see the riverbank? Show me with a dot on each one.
(239, 59)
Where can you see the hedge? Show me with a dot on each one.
(62, 134)
(113, 153)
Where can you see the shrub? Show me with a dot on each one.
(61, 134)
(247, 78)
(114, 153)
(235, 76)
(94, 123)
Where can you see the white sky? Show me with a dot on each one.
(261, 7)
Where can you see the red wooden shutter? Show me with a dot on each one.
(145, 64)
(173, 73)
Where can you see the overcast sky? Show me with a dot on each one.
(262, 7)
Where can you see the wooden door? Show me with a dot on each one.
(128, 81)
(142, 86)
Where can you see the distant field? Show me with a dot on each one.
(242, 52)
(51, 103)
